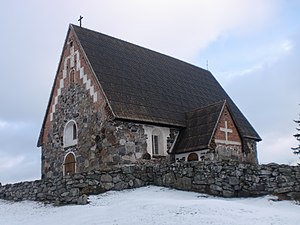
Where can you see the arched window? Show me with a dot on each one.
(69, 164)
(193, 157)
(70, 134)
(157, 144)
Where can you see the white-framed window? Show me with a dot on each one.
(70, 134)
(157, 142)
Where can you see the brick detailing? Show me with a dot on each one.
(228, 144)
(73, 60)
(226, 131)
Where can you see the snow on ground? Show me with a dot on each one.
(155, 206)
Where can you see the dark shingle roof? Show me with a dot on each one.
(144, 85)
(199, 129)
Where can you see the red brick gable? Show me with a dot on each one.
(73, 68)
(226, 131)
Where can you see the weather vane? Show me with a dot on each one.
(80, 18)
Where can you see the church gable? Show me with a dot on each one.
(74, 72)
(76, 110)
(226, 132)
(212, 134)
(228, 143)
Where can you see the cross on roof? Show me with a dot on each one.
(80, 18)
(226, 130)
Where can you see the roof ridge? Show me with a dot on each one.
(147, 49)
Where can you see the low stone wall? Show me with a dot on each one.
(227, 179)
(75, 189)
(230, 179)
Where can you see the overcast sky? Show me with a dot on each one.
(252, 48)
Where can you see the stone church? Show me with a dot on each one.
(113, 102)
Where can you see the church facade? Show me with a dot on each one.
(113, 102)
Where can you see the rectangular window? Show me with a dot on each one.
(154, 144)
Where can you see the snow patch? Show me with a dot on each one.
(156, 206)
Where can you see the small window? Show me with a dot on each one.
(157, 143)
(155, 149)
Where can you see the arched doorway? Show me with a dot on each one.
(69, 164)
(193, 157)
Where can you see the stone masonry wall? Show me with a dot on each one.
(76, 96)
(227, 179)
(74, 189)
(232, 179)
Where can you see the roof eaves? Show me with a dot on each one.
(150, 121)
(237, 127)
(187, 150)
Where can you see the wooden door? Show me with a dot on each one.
(69, 165)
(193, 157)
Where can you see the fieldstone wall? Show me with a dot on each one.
(74, 189)
(88, 122)
(76, 96)
(121, 143)
(227, 179)
(232, 179)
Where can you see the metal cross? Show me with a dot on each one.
(80, 18)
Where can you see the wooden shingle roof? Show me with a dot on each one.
(147, 86)
(199, 129)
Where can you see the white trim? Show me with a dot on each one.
(163, 136)
(72, 141)
(156, 132)
(173, 144)
(205, 152)
(86, 81)
(227, 142)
